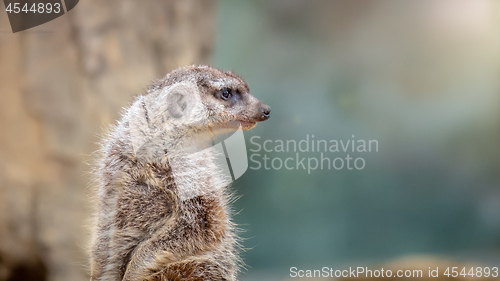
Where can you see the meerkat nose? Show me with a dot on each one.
(266, 111)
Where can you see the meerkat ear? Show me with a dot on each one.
(182, 99)
(177, 104)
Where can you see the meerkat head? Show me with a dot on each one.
(229, 101)
(224, 95)
(190, 108)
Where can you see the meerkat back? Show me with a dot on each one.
(163, 201)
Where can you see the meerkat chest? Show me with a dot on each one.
(200, 172)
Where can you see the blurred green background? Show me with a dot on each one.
(421, 77)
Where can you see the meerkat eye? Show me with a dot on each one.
(226, 94)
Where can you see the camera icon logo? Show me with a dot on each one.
(171, 127)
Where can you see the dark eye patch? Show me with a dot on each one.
(226, 93)
(228, 96)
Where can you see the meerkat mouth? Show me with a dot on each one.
(234, 124)
(247, 125)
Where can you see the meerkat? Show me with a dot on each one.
(163, 201)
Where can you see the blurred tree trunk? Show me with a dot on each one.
(61, 85)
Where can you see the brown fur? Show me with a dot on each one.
(144, 229)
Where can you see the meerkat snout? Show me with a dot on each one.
(266, 112)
